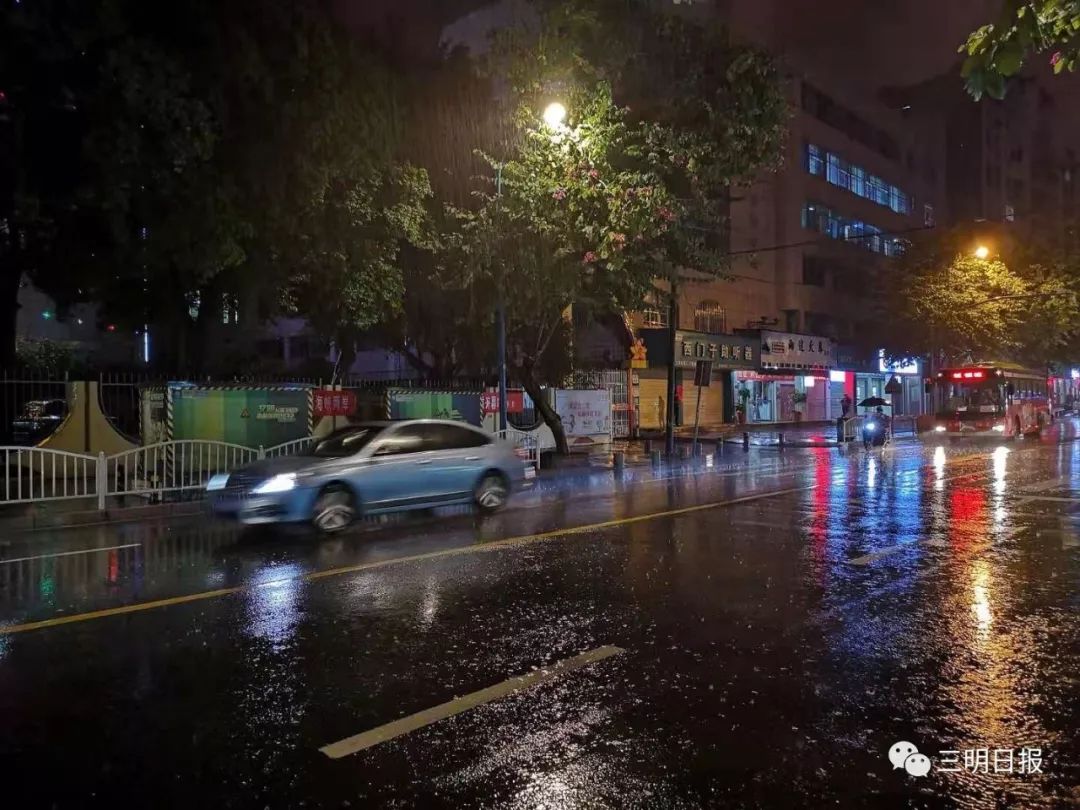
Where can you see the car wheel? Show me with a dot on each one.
(492, 493)
(334, 510)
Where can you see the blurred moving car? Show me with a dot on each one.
(39, 419)
(372, 468)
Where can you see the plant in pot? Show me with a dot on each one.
(740, 409)
(798, 401)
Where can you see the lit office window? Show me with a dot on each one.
(855, 179)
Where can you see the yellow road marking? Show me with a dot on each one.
(404, 725)
(370, 566)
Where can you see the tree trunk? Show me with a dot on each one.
(547, 413)
(9, 312)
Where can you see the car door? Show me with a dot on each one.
(392, 476)
(460, 455)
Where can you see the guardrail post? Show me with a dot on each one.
(260, 453)
(101, 481)
(745, 441)
(781, 442)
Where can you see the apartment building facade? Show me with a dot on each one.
(810, 244)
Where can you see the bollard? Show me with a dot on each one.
(781, 437)
(746, 441)
(655, 455)
(719, 447)
(619, 460)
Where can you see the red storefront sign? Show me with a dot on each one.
(515, 401)
(334, 403)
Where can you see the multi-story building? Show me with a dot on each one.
(1012, 161)
(809, 246)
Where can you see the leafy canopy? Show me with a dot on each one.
(999, 50)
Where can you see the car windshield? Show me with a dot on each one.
(345, 442)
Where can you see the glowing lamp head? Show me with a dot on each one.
(554, 115)
(982, 252)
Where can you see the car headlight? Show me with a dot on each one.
(940, 428)
(999, 428)
(279, 483)
(871, 427)
(217, 482)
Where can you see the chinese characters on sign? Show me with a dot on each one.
(334, 403)
(725, 351)
(784, 350)
(515, 401)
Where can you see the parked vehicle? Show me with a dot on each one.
(38, 421)
(373, 468)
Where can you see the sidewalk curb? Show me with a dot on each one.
(37, 521)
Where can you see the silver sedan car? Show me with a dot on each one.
(373, 468)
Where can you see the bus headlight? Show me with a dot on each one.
(999, 428)
(940, 428)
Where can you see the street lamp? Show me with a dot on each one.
(554, 115)
(982, 252)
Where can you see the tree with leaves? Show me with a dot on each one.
(948, 303)
(626, 192)
(1024, 28)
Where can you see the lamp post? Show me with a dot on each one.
(554, 116)
(500, 319)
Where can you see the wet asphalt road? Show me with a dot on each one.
(783, 620)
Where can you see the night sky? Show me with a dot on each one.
(866, 43)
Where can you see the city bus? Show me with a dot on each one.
(992, 400)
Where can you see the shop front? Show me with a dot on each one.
(903, 385)
(726, 353)
(791, 382)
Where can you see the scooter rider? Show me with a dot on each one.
(876, 429)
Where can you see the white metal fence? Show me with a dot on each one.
(42, 474)
(528, 444)
(853, 428)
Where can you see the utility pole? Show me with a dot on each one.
(500, 319)
(673, 324)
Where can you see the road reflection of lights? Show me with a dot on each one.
(980, 596)
(871, 473)
(430, 606)
(939, 468)
(273, 603)
(1000, 456)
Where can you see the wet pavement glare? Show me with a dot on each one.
(785, 619)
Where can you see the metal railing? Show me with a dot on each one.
(287, 449)
(853, 428)
(531, 444)
(38, 474)
(905, 426)
(172, 466)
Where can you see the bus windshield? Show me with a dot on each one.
(967, 397)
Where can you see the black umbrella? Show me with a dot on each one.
(874, 402)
